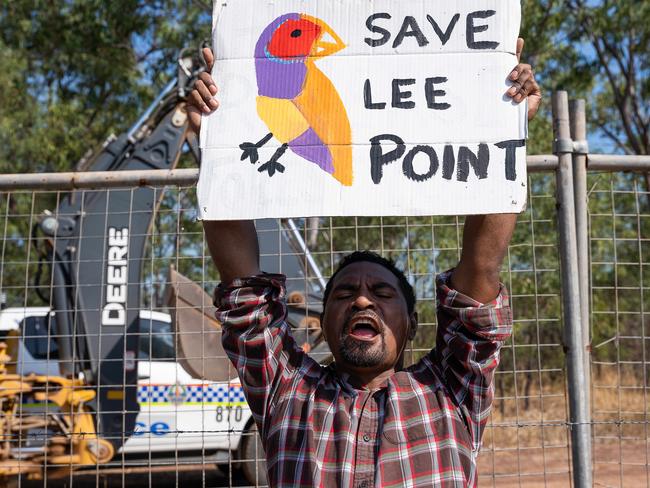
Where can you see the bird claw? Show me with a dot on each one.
(249, 151)
(272, 167)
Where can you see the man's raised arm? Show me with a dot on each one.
(233, 245)
(485, 243)
(234, 248)
(474, 316)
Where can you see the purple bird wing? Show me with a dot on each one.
(311, 147)
(289, 126)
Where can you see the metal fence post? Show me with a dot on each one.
(578, 122)
(577, 382)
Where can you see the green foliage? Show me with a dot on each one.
(75, 71)
(550, 54)
(612, 40)
(599, 50)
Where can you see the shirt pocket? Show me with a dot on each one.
(431, 416)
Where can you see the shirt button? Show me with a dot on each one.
(366, 438)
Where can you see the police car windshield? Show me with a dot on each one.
(156, 341)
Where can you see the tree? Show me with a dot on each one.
(613, 42)
(75, 71)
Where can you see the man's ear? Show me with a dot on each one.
(413, 328)
(322, 329)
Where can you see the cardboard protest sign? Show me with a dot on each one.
(363, 107)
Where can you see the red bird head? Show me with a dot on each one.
(300, 36)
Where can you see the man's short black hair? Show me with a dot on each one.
(372, 257)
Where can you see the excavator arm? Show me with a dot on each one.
(96, 259)
(96, 254)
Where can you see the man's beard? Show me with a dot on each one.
(360, 353)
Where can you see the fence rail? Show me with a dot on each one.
(187, 177)
(571, 403)
(98, 180)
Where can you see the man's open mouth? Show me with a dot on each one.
(364, 326)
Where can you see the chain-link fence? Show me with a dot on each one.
(152, 400)
(529, 384)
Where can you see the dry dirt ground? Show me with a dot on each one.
(512, 455)
(622, 466)
(206, 476)
(616, 465)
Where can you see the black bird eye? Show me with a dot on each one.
(296, 33)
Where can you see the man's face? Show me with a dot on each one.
(366, 320)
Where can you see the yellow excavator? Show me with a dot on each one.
(76, 444)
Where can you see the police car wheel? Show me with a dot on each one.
(253, 462)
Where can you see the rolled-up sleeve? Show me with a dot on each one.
(257, 337)
(468, 342)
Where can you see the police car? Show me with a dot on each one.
(179, 415)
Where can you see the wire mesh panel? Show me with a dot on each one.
(527, 440)
(620, 254)
(127, 411)
(162, 397)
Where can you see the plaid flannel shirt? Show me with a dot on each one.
(423, 428)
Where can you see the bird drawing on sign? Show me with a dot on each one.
(297, 102)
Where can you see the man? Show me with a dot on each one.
(365, 420)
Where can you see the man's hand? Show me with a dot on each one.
(524, 84)
(201, 99)
(486, 237)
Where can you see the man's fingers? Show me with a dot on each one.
(201, 100)
(520, 69)
(534, 102)
(209, 57)
(523, 79)
(196, 100)
(524, 86)
(529, 88)
(519, 77)
(194, 116)
(525, 72)
(206, 96)
(209, 82)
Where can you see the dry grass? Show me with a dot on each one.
(530, 446)
(541, 418)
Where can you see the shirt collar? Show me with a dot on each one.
(344, 380)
